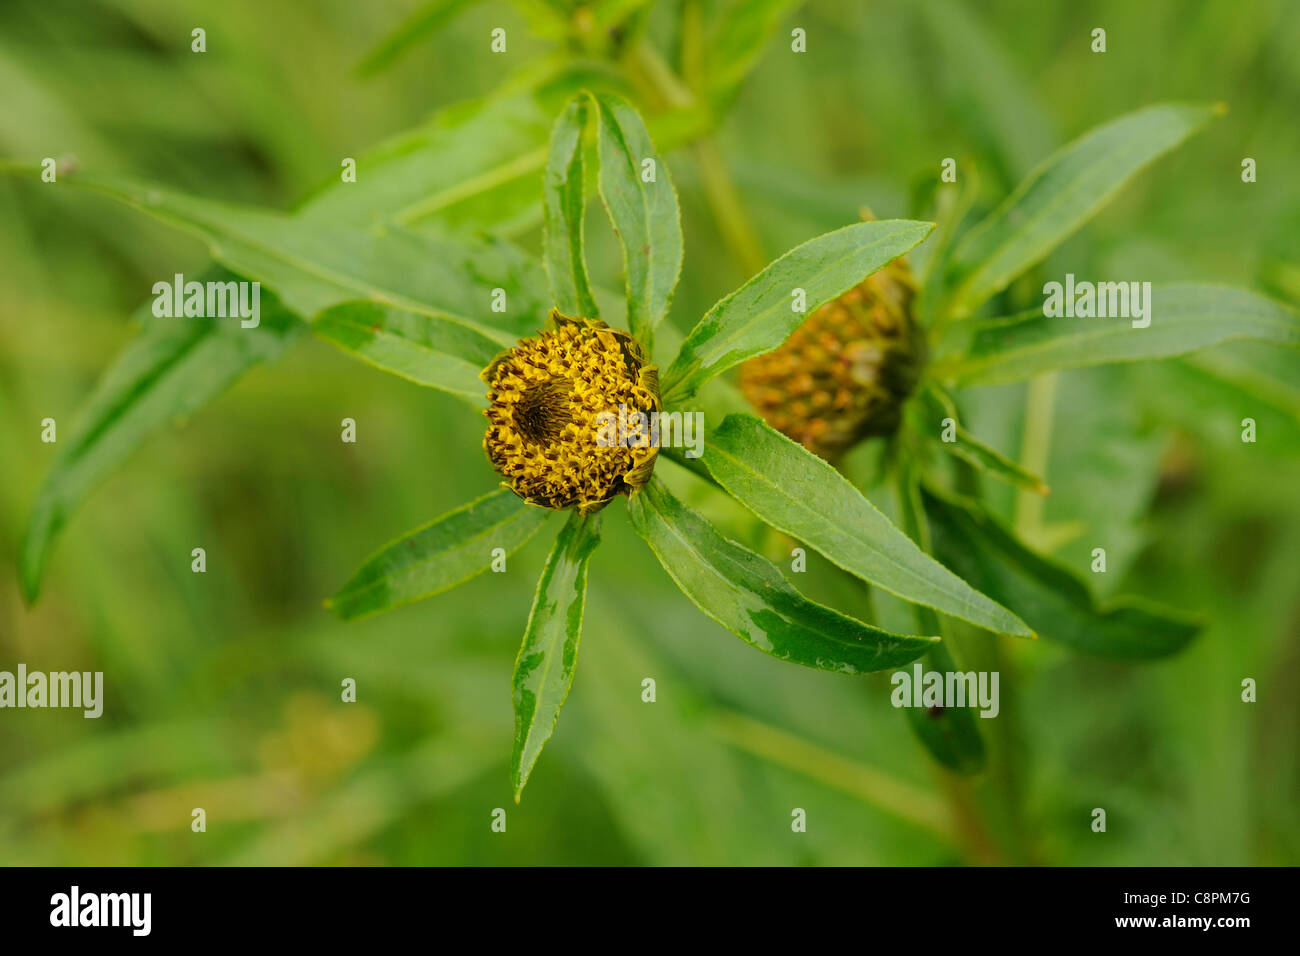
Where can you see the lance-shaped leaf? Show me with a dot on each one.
(473, 168)
(171, 370)
(565, 206)
(1047, 594)
(549, 654)
(746, 594)
(795, 491)
(1061, 195)
(762, 313)
(1183, 317)
(312, 266)
(439, 555)
(642, 204)
(928, 412)
(424, 349)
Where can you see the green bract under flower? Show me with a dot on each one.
(550, 395)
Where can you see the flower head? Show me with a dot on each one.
(552, 397)
(843, 375)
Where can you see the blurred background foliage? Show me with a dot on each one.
(223, 688)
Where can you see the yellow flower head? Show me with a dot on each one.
(553, 397)
(843, 375)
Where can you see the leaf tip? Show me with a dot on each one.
(342, 611)
(30, 590)
(31, 570)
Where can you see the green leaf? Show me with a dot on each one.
(439, 555)
(793, 490)
(1061, 195)
(172, 369)
(927, 413)
(549, 654)
(313, 266)
(746, 594)
(1183, 317)
(760, 315)
(1047, 594)
(420, 348)
(474, 167)
(423, 21)
(565, 202)
(645, 214)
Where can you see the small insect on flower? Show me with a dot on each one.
(548, 396)
(844, 374)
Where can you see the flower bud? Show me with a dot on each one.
(844, 374)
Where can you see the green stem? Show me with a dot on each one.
(738, 232)
(893, 796)
(952, 735)
(1035, 450)
(737, 229)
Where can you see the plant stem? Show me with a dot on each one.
(902, 800)
(1035, 450)
(738, 232)
(961, 739)
(737, 229)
